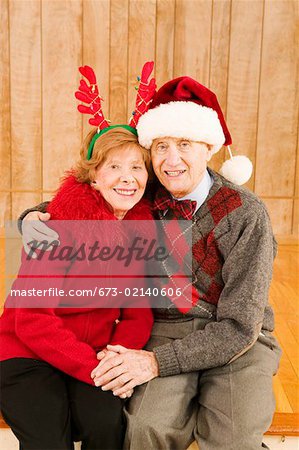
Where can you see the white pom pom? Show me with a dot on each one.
(237, 169)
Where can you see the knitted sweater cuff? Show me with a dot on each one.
(167, 360)
(42, 207)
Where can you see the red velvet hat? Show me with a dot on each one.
(184, 108)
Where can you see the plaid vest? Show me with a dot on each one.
(210, 221)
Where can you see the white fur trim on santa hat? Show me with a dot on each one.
(237, 169)
(181, 120)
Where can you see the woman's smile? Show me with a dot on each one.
(121, 179)
(125, 192)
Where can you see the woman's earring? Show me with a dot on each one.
(94, 184)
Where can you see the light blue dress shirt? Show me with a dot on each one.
(201, 191)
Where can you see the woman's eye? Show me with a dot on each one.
(137, 167)
(114, 166)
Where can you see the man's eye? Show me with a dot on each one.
(137, 167)
(185, 144)
(161, 147)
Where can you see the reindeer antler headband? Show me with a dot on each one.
(90, 95)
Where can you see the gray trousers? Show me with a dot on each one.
(227, 408)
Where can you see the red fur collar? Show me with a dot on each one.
(79, 201)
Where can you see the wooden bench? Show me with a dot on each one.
(284, 424)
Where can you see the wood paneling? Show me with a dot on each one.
(280, 211)
(22, 201)
(96, 46)
(295, 229)
(296, 189)
(141, 43)
(243, 79)
(220, 44)
(47, 196)
(278, 102)
(166, 24)
(25, 75)
(244, 50)
(192, 44)
(119, 60)
(5, 208)
(62, 55)
(5, 150)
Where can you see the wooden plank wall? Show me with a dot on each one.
(244, 50)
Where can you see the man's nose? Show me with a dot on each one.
(173, 156)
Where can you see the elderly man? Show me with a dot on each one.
(206, 373)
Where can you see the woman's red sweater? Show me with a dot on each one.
(69, 338)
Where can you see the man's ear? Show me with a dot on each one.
(209, 152)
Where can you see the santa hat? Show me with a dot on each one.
(184, 108)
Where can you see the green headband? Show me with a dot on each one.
(97, 135)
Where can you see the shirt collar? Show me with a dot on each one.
(201, 192)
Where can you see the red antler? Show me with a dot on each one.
(90, 94)
(145, 93)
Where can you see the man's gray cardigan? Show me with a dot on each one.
(233, 248)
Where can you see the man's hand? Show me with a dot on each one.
(103, 356)
(34, 229)
(125, 370)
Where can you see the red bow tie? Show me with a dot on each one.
(181, 208)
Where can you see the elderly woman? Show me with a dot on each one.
(48, 354)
